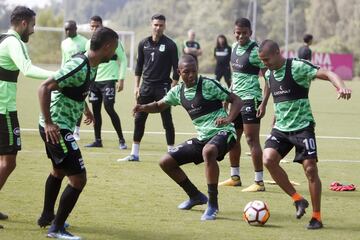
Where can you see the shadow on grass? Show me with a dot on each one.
(118, 233)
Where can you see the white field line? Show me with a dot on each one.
(119, 154)
(192, 134)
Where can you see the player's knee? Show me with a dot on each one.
(268, 162)
(209, 152)
(252, 142)
(311, 172)
(9, 166)
(167, 163)
(109, 107)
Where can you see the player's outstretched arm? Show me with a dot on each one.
(52, 131)
(154, 107)
(343, 91)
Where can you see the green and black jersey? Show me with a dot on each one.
(293, 114)
(244, 85)
(211, 90)
(65, 111)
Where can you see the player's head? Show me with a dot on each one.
(308, 38)
(191, 35)
(188, 70)
(158, 24)
(22, 20)
(269, 53)
(95, 22)
(104, 41)
(221, 41)
(242, 30)
(70, 28)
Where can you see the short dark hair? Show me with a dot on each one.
(21, 13)
(187, 58)
(272, 45)
(243, 22)
(96, 18)
(158, 16)
(307, 38)
(102, 36)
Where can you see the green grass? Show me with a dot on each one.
(138, 200)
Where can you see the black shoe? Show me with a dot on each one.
(45, 220)
(314, 224)
(1, 226)
(97, 144)
(301, 205)
(3, 216)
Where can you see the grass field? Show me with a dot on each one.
(138, 201)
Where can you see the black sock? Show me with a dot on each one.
(213, 193)
(67, 202)
(52, 188)
(189, 188)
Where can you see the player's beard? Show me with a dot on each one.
(25, 36)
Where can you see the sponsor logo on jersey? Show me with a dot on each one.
(282, 92)
(222, 133)
(16, 131)
(248, 109)
(74, 146)
(69, 137)
(162, 48)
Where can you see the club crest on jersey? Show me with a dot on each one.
(69, 137)
(162, 48)
(16, 131)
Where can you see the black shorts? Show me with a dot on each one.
(66, 155)
(10, 141)
(191, 150)
(152, 92)
(103, 91)
(223, 72)
(303, 140)
(247, 114)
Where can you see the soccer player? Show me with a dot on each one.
(222, 53)
(202, 98)
(62, 101)
(304, 51)
(191, 46)
(289, 81)
(105, 87)
(157, 54)
(14, 57)
(73, 43)
(246, 66)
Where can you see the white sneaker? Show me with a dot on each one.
(62, 234)
(76, 136)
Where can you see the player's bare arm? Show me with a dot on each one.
(343, 91)
(234, 110)
(52, 131)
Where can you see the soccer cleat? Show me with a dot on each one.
(96, 144)
(199, 199)
(1, 226)
(130, 158)
(256, 187)
(76, 136)
(3, 216)
(210, 213)
(46, 220)
(314, 224)
(234, 181)
(122, 146)
(300, 206)
(61, 234)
